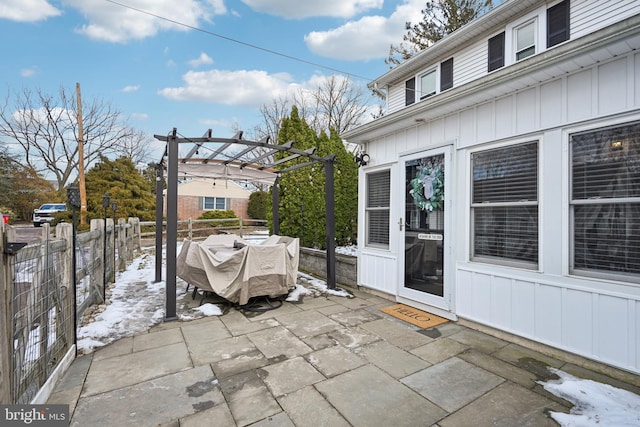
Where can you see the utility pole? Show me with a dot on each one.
(81, 186)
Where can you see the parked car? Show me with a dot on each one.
(47, 213)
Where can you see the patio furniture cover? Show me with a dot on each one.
(237, 270)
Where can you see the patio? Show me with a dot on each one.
(323, 361)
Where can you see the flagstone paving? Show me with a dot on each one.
(324, 361)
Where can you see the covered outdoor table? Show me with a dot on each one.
(237, 270)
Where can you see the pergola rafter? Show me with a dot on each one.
(237, 167)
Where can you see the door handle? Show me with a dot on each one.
(400, 223)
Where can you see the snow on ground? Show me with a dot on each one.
(135, 304)
(596, 404)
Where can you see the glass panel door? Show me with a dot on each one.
(425, 243)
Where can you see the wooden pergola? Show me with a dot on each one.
(224, 161)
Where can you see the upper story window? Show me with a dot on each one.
(525, 36)
(426, 84)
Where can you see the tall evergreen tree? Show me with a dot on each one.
(124, 184)
(21, 188)
(302, 191)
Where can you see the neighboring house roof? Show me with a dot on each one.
(213, 188)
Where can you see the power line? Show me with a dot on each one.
(253, 46)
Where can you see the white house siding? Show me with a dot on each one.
(396, 98)
(470, 63)
(588, 16)
(598, 319)
(595, 318)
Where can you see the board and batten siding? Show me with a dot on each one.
(595, 318)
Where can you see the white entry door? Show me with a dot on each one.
(425, 237)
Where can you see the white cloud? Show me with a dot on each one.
(27, 10)
(28, 72)
(131, 88)
(243, 87)
(367, 38)
(114, 23)
(203, 59)
(140, 116)
(296, 9)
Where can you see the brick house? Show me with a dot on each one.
(200, 195)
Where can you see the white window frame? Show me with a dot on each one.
(535, 45)
(472, 206)
(569, 254)
(227, 203)
(539, 16)
(368, 210)
(436, 77)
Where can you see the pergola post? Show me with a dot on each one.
(275, 205)
(172, 225)
(263, 173)
(159, 209)
(330, 219)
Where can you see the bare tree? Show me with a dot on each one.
(339, 104)
(134, 145)
(335, 103)
(46, 127)
(272, 115)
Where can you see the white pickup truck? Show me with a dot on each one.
(47, 213)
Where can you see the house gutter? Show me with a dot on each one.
(564, 52)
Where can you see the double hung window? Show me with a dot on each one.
(504, 205)
(377, 208)
(525, 37)
(605, 201)
(215, 203)
(428, 84)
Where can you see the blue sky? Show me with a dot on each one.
(162, 75)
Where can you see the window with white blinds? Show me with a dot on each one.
(215, 203)
(605, 201)
(377, 208)
(504, 205)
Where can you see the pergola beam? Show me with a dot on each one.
(172, 167)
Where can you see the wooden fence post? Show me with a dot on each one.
(6, 320)
(122, 245)
(65, 231)
(137, 239)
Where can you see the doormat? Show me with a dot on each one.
(416, 317)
